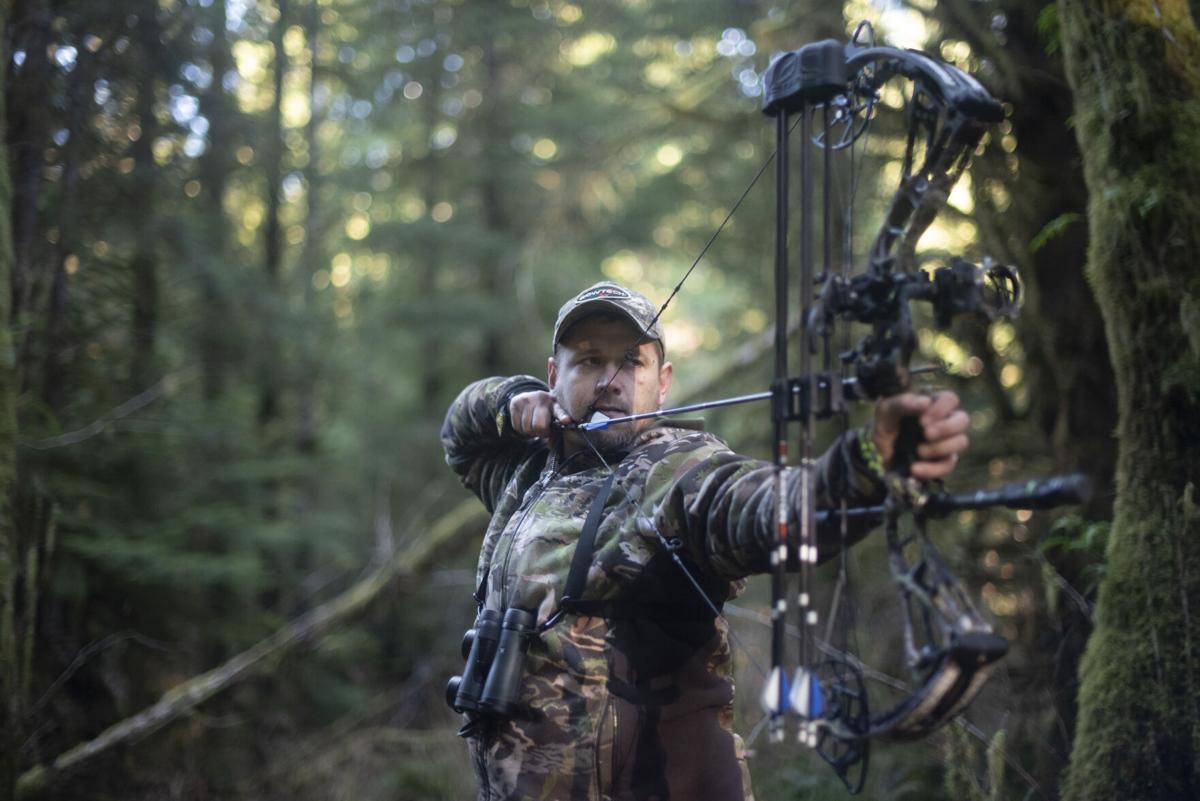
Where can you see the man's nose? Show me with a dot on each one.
(612, 381)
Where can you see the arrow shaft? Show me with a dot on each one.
(691, 407)
(848, 384)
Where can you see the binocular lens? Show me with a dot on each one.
(503, 688)
(479, 647)
(452, 687)
(468, 641)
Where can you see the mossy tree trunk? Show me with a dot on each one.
(1133, 69)
(1037, 223)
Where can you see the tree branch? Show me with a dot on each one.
(304, 630)
(163, 386)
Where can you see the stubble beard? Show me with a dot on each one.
(615, 440)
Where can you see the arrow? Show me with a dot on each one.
(599, 421)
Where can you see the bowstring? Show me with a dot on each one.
(596, 451)
(645, 334)
(629, 354)
(733, 635)
(842, 583)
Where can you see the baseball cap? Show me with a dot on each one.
(609, 297)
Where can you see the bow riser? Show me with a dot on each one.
(921, 196)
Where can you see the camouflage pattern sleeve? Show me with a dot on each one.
(722, 506)
(480, 445)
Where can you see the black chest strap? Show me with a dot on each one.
(581, 560)
(573, 603)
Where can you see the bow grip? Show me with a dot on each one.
(904, 452)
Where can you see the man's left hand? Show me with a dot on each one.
(943, 426)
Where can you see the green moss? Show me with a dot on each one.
(961, 756)
(1138, 117)
(963, 781)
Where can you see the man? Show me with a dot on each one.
(626, 691)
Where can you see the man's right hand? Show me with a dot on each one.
(533, 414)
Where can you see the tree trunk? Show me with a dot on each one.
(1072, 397)
(144, 265)
(495, 268)
(57, 337)
(268, 399)
(432, 258)
(10, 711)
(27, 133)
(306, 391)
(1132, 67)
(214, 171)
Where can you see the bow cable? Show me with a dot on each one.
(678, 286)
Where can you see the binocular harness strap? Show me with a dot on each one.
(581, 560)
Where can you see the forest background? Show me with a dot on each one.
(255, 247)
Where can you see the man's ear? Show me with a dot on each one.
(665, 374)
(551, 372)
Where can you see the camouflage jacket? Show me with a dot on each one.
(623, 706)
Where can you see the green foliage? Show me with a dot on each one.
(1082, 538)
(1053, 229)
(1048, 28)
(962, 779)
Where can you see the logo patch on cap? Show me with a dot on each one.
(615, 293)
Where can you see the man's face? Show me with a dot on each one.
(593, 351)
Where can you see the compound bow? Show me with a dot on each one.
(950, 647)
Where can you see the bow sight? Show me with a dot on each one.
(881, 299)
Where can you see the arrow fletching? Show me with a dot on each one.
(806, 698)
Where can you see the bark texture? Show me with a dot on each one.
(215, 346)
(1133, 70)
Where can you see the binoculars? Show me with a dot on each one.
(494, 651)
